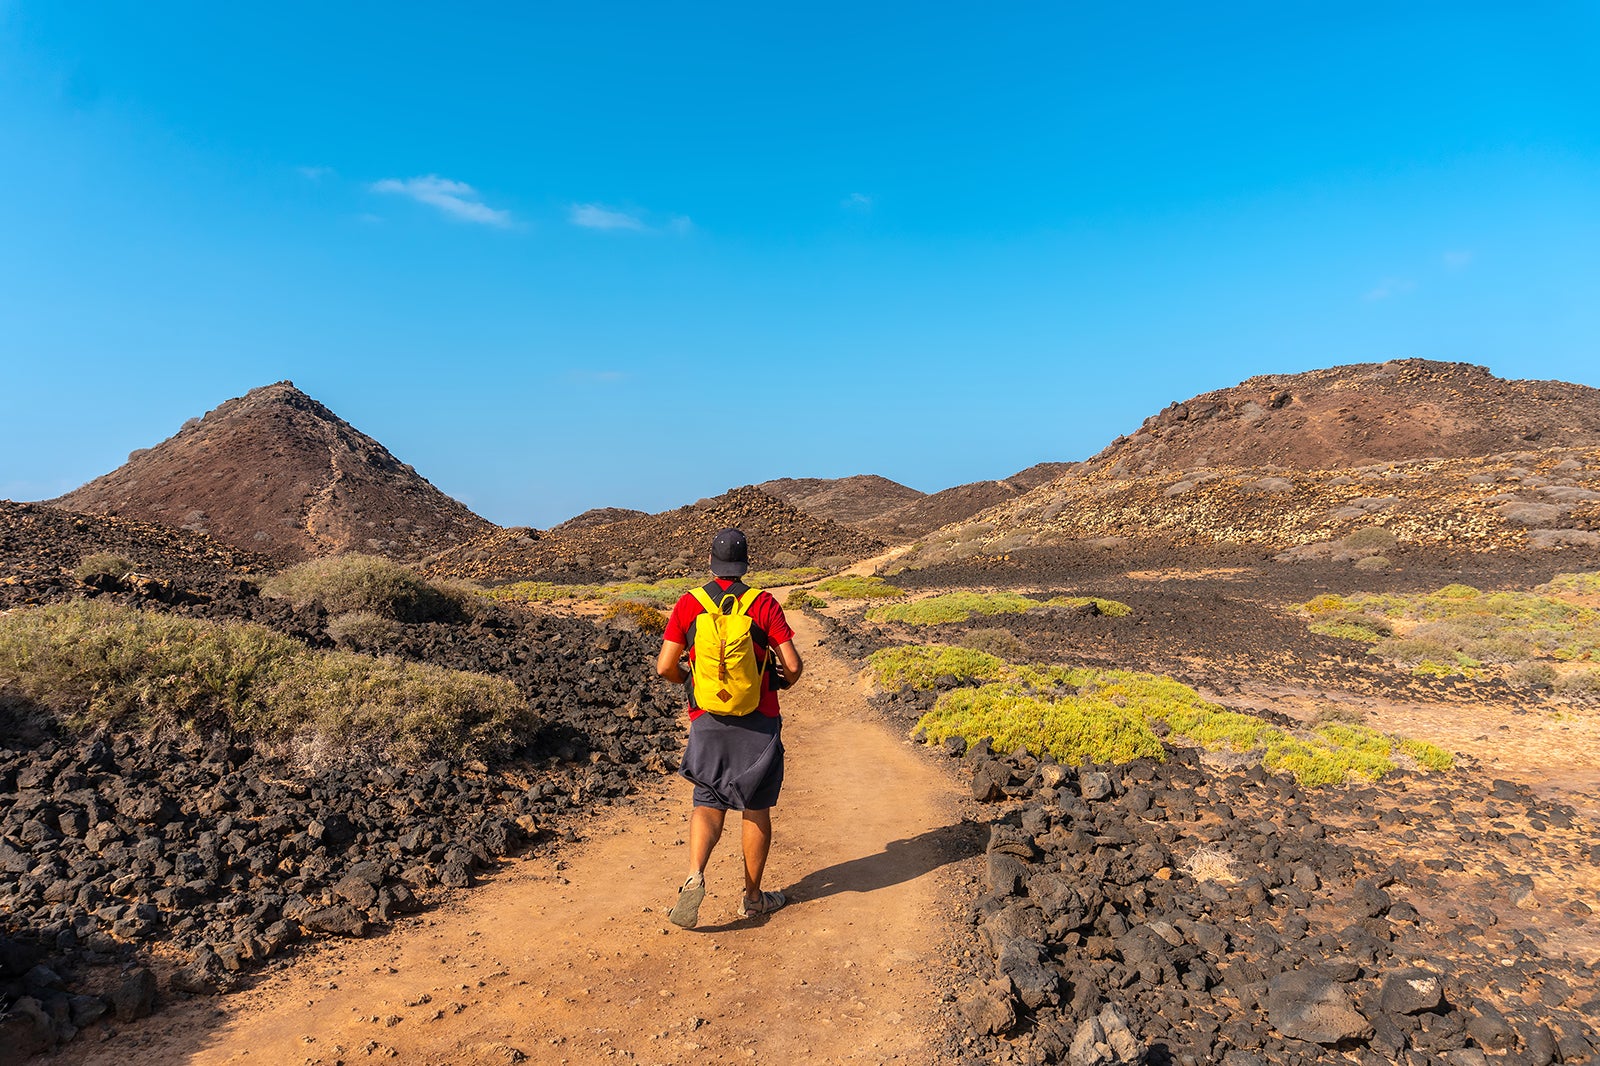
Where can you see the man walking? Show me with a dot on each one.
(734, 759)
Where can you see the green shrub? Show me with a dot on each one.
(920, 665)
(103, 565)
(791, 575)
(854, 587)
(541, 592)
(1068, 731)
(343, 583)
(1584, 584)
(1372, 538)
(96, 663)
(951, 607)
(360, 628)
(1373, 563)
(1108, 716)
(993, 640)
(1110, 608)
(799, 599)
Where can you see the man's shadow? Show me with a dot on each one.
(898, 862)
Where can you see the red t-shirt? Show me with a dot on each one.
(771, 630)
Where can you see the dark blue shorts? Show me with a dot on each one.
(735, 761)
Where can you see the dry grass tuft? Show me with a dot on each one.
(1212, 864)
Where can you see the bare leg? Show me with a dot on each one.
(756, 836)
(705, 829)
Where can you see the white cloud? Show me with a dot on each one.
(1457, 260)
(455, 198)
(601, 217)
(598, 216)
(857, 201)
(1390, 287)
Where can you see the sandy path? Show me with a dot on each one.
(570, 959)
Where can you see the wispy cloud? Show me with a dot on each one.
(598, 216)
(857, 201)
(601, 217)
(1389, 288)
(1457, 260)
(315, 173)
(454, 198)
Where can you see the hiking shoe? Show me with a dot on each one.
(769, 902)
(686, 912)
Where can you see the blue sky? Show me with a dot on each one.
(547, 256)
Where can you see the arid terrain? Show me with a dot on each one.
(1267, 735)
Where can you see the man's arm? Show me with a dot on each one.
(667, 662)
(792, 666)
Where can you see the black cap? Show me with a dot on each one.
(730, 555)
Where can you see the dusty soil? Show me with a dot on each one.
(569, 958)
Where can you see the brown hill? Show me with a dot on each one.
(596, 516)
(922, 516)
(1545, 499)
(1350, 416)
(669, 544)
(849, 500)
(1441, 455)
(276, 472)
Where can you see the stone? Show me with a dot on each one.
(1412, 991)
(338, 920)
(1093, 785)
(1311, 1005)
(135, 995)
(1022, 962)
(988, 1008)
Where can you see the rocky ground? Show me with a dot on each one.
(1199, 911)
(138, 870)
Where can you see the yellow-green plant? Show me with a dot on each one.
(919, 666)
(951, 607)
(854, 587)
(1110, 608)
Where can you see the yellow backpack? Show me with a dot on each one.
(725, 671)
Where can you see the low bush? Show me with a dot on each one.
(640, 616)
(1373, 563)
(1540, 676)
(1372, 538)
(359, 628)
(343, 583)
(994, 641)
(103, 566)
(951, 607)
(1112, 715)
(1584, 584)
(1461, 630)
(1109, 608)
(792, 575)
(800, 598)
(920, 666)
(95, 663)
(854, 587)
(1582, 684)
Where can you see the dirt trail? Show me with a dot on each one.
(570, 958)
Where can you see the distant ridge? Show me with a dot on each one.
(1443, 455)
(669, 544)
(1363, 413)
(277, 473)
(852, 501)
